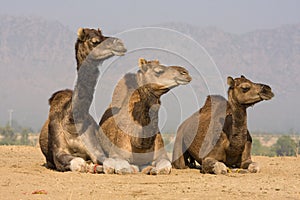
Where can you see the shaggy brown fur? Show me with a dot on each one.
(131, 121)
(70, 136)
(217, 135)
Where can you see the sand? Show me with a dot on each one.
(23, 176)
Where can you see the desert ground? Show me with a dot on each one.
(23, 176)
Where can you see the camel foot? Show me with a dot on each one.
(254, 167)
(164, 166)
(94, 168)
(123, 167)
(150, 170)
(238, 170)
(98, 169)
(78, 165)
(219, 168)
(147, 169)
(109, 166)
(118, 166)
(135, 169)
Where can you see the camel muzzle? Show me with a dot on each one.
(266, 92)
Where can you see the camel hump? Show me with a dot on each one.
(214, 104)
(215, 100)
(124, 88)
(60, 98)
(215, 107)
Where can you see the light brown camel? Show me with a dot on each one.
(69, 138)
(217, 135)
(131, 121)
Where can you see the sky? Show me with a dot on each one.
(233, 16)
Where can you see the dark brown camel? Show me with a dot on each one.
(217, 135)
(69, 138)
(131, 121)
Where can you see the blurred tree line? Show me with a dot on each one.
(285, 146)
(15, 135)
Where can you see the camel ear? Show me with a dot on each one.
(142, 64)
(242, 76)
(230, 81)
(80, 34)
(99, 30)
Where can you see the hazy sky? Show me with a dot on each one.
(230, 15)
(235, 16)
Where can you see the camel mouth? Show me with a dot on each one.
(267, 96)
(182, 81)
(119, 52)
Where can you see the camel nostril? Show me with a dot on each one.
(265, 88)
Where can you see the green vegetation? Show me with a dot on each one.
(259, 149)
(285, 146)
(16, 135)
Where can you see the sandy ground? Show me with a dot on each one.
(22, 173)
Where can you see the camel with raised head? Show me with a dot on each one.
(217, 135)
(69, 138)
(131, 121)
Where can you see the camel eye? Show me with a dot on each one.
(183, 73)
(245, 89)
(95, 41)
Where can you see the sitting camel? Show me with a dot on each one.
(131, 121)
(69, 138)
(217, 136)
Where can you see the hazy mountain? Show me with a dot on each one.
(37, 58)
(271, 56)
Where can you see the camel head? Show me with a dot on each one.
(161, 77)
(89, 39)
(245, 92)
(108, 48)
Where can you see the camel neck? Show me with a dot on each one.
(145, 106)
(88, 74)
(238, 136)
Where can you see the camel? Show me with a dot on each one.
(131, 121)
(69, 138)
(217, 136)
